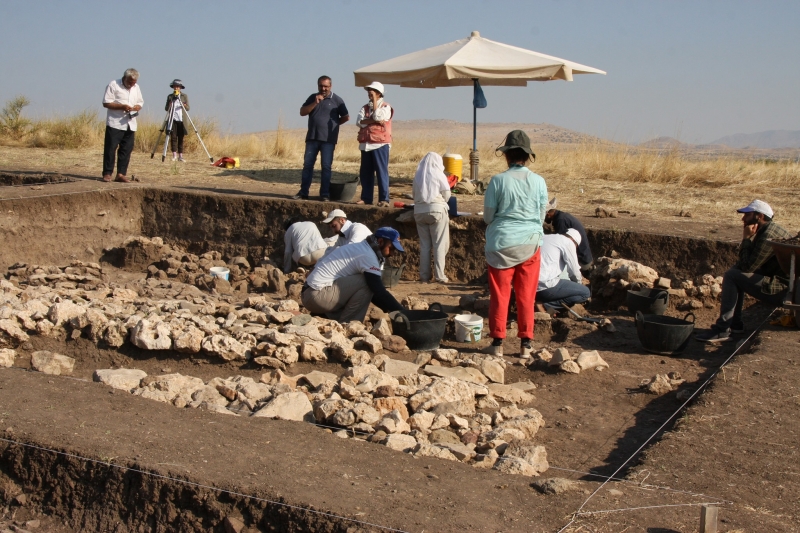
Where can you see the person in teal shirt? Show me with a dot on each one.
(514, 208)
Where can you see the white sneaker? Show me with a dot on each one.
(181, 159)
(493, 350)
(174, 158)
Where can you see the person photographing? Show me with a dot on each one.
(178, 131)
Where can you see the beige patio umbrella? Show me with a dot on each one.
(473, 61)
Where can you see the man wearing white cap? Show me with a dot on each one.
(374, 140)
(345, 231)
(560, 252)
(757, 272)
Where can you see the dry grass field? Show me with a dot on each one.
(583, 171)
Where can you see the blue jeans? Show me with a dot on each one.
(326, 160)
(375, 162)
(565, 293)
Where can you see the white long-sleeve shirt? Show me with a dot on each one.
(301, 239)
(558, 252)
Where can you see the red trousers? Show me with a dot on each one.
(524, 279)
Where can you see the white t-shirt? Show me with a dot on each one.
(558, 252)
(177, 112)
(302, 238)
(354, 232)
(342, 262)
(116, 93)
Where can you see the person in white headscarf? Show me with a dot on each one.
(431, 192)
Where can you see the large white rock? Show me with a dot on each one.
(426, 449)
(52, 363)
(442, 391)
(473, 375)
(189, 340)
(507, 393)
(288, 406)
(631, 271)
(312, 351)
(151, 336)
(7, 357)
(396, 368)
(590, 360)
(210, 395)
(369, 343)
(65, 311)
(225, 347)
(535, 456)
(493, 370)
(400, 442)
(393, 422)
(12, 329)
(317, 378)
(119, 378)
(528, 424)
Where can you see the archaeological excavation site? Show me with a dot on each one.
(140, 393)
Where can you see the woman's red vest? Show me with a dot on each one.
(376, 133)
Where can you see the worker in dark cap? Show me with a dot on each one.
(561, 222)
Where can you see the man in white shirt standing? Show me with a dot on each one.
(303, 243)
(123, 100)
(346, 280)
(345, 231)
(560, 252)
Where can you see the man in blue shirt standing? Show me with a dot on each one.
(325, 111)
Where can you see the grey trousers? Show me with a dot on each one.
(735, 284)
(346, 300)
(312, 258)
(434, 234)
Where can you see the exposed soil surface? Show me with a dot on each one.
(736, 445)
(8, 178)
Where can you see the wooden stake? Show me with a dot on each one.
(708, 519)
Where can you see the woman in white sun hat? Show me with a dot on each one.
(374, 140)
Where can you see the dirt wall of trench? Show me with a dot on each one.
(56, 229)
(253, 227)
(52, 230)
(91, 496)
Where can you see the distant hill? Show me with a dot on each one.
(763, 139)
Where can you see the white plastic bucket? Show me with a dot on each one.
(220, 272)
(468, 328)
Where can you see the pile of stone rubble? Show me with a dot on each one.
(432, 414)
(614, 276)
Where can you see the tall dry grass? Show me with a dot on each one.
(589, 159)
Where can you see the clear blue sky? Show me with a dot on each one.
(698, 70)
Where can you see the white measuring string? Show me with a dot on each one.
(669, 419)
(199, 485)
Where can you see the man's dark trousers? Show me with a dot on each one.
(117, 138)
(325, 149)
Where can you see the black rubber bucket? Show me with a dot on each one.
(647, 301)
(422, 330)
(663, 335)
(343, 191)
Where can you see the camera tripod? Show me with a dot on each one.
(169, 122)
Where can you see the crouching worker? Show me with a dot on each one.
(559, 252)
(303, 243)
(757, 273)
(347, 279)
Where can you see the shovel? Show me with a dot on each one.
(583, 318)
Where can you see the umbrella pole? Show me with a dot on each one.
(474, 158)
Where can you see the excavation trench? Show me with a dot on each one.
(273, 475)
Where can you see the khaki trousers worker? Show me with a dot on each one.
(347, 299)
